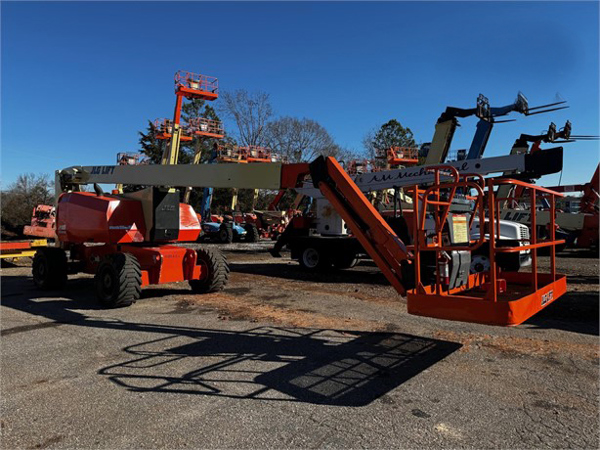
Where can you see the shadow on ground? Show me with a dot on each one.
(576, 311)
(329, 367)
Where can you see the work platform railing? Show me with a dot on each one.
(493, 297)
(194, 85)
(201, 126)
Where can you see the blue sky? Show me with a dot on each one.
(80, 79)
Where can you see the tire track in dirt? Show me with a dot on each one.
(232, 307)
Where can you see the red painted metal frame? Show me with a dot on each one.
(42, 224)
(9, 247)
(591, 191)
(159, 264)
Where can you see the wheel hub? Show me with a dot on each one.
(311, 257)
(480, 263)
(107, 281)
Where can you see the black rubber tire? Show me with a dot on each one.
(345, 261)
(218, 271)
(313, 259)
(118, 280)
(49, 268)
(251, 232)
(225, 233)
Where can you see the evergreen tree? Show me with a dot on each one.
(393, 134)
(390, 134)
(151, 146)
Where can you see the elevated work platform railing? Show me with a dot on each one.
(164, 130)
(358, 166)
(494, 297)
(193, 85)
(131, 159)
(244, 155)
(201, 126)
(401, 156)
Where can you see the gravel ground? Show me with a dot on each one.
(282, 358)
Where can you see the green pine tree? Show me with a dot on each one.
(151, 146)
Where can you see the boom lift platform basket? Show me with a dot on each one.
(400, 156)
(164, 128)
(201, 126)
(193, 85)
(494, 297)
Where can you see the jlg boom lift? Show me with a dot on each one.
(125, 240)
(433, 271)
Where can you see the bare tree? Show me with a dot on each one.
(301, 140)
(251, 112)
(22, 196)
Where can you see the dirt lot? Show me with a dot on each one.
(282, 358)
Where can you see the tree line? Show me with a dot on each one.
(254, 123)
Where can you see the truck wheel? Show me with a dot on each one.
(225, 233)
(480, 263)
(118, 280)
(251, 232)
(313, 259)
(218, 271)
(49, 268)
(345, 261)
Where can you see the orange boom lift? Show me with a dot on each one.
(434, 271)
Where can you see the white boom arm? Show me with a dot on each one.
(537, 164)
(242, 176)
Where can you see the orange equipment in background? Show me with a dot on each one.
(164, 128)
(191, 86)
(400, 156)
(42, 222)
(201, 126)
